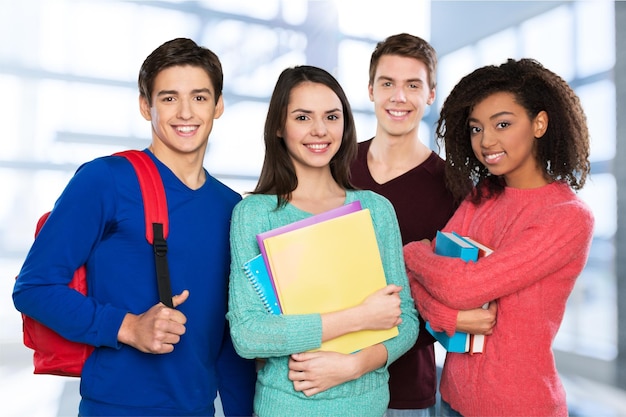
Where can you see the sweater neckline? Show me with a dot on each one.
(350, 197)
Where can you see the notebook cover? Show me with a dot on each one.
(339, 211)
(329, 266)
(256, 271)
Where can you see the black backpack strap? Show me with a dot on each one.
(162, 269)
(156, 216)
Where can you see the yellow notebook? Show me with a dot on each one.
(329, 266)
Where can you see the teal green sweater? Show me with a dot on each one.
(259, 334)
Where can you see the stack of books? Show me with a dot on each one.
(456, 246)
(325, 263)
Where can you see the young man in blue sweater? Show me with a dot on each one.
(149, 360)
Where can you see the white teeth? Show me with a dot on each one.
(493, 156)
(186, 129)
(317, 145)
(397, 113)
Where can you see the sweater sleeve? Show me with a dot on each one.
(237, 378)
(538, 241)
(441, 317)
(255, 332)
(77, 222)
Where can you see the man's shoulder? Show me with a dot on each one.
(103, 168)
(363, 148)
(222, 189)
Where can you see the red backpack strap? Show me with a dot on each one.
(156, 216)
(152, 191)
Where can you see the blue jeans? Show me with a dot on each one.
(447, 411)
(422, 412)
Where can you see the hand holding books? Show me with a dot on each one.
(453, 245)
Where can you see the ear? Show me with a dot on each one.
(144, 108)
(431, 97)
(219, 107)
(540, 124)
(370, 90)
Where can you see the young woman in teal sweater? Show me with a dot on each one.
(310, 142)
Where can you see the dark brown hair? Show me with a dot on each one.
(563, 150)
(179, 52)
(409, 46)
(278, 175)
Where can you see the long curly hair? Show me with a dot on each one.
(563, 151)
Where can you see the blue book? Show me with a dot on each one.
(459, 342)
(453, 245)
(256, 271)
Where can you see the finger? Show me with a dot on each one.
(305, 356)
(392, 289)
(295, 366)
(180, 298)
(310, 392)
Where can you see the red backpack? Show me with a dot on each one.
(56, 355)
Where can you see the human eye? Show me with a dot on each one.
(167, 99)
(473, 129)
(334, 117)
(301, 117)
(386, 84)
(200, 98)
(503, 125)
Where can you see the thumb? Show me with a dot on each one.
(392, 289)
(180, 298)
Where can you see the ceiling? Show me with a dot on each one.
(478, 19)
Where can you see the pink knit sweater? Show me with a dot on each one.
(541, 239)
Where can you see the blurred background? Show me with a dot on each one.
(68, 71)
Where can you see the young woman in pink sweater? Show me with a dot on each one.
(519, 133)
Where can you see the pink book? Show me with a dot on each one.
(318, 218)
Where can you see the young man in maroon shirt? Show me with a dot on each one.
(398, 165)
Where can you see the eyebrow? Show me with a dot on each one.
(410, 80)
(311, 111)
(495, 116)
(175, 92)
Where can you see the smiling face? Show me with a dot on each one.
(400, 93)
(503, 139)
(313, 128)
(182, 111)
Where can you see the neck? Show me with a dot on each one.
(186, 167)
(391, 156)
(317, 193)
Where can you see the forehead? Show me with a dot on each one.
(496, 103)
(182, 78)
(310, 95)
(401, 68)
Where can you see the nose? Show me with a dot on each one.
(184, 110)
(398, 95)
(319, 128)
(488, 138)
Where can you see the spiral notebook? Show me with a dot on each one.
(256, 271)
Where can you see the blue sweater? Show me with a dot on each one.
(99, 221)
(259, 334)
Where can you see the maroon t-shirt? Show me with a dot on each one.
(423, 205)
